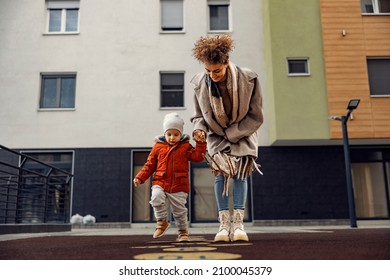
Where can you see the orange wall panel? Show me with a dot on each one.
(346, 66)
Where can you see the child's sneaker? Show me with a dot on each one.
(183, 236)
(161, 227)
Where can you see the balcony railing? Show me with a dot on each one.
(32, 191)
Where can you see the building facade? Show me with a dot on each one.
(357, 59)
(85, 85)
(320, 55)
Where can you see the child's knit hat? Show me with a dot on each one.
(173, 121)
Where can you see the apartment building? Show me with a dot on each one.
(320, 55)
(85, 86)
(356, 42)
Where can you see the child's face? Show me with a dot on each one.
(172, 136)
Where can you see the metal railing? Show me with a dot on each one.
(32, 191)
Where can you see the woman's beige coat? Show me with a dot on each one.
(240, 137)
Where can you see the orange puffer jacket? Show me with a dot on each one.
(170, 164)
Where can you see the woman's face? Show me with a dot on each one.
(217, 72)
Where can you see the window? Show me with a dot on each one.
(298, 66)
(370, 190)
(172, 15)
(59, 159)
(141, 210)
(172, 89)
(375, 6)
(371, 182)
(219, 15)
(378, 76)
(58, 91)
(204, 207)
(63, 16)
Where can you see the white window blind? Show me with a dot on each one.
(63, 4)
(172, 14)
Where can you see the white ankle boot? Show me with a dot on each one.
(237, 232)
(224, 228)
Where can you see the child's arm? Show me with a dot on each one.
(197, 154)
(148, 169)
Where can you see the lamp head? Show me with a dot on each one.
(353, 104)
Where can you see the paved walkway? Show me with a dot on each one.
(280, 243)
(198, 229)
(275, 245)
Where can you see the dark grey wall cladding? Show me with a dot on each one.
(102, 184)
(300, 183)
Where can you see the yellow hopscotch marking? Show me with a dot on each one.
(192, 250)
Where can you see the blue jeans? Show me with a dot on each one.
(240, 190)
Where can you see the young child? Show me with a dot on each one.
(168, 160)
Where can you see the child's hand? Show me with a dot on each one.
(199, 136)
(136, 182)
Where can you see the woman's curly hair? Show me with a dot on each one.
(214, 50)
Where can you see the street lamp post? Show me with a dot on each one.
(352, 105)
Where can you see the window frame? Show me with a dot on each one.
(63, 6)
(370, 156)
(58, 91)
(162, 91)
(302, 74)
(229, 15)
(370, 81)
(143, 192)
(57, 164)
(165, 31)
(375, 6)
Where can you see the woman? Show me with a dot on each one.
(228, 114)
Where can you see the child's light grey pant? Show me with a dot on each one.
(177, 201)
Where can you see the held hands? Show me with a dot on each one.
(199, 136)
(136, 182)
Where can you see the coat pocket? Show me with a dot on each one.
(159, 175)
(181, 178)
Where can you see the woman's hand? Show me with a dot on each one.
(199, 136)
